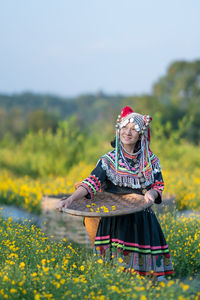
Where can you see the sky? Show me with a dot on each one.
(68, 48)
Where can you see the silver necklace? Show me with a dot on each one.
(132, 154)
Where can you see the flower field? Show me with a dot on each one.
(27, 192)
(186, 187)
(33, 266)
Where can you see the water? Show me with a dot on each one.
(188, 214)
(19, 214)
(52, 223)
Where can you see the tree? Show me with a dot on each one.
(40, 119)
(180, 84)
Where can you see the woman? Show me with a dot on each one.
(131, 168)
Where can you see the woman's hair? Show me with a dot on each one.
(137, 145)
(113, 143)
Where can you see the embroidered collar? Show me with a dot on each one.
(129, 155)
(128, 177)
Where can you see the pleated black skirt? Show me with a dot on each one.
(138, 240)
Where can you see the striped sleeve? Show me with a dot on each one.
(158, 186)
(94, 181)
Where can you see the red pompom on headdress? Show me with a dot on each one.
(126, 111)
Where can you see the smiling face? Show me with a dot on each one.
(128, 135)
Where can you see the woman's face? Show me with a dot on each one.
(128, 134)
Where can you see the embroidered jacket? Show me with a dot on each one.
(123, 180)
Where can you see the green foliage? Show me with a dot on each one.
(44, 153)
(144, 104)
(21, 113)
(41, 120)
(182, 234)
(179, 93)
(180, 85)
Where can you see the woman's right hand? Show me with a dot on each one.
(64, 203)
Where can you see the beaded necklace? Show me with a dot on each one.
(136, 167)
(130, 154)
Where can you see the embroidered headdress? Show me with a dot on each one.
(141, 124)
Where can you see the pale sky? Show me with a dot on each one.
(81, 46)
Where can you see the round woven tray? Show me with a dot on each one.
(107, 204)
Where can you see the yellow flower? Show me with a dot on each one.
(22, 265)
(162, 284)
(45, 269)
(5, 278)
(100, 261)
(116, 289)
(82, 268)
(37, 297)
(185, 287)
(139, 288)
(120, 269)
(120, 260)
(102, 297)
(43, 261)
(171, 282)
(21, 283)
(58, 285)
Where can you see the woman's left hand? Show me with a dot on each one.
(150, 196)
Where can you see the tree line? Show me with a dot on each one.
(174, 105)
